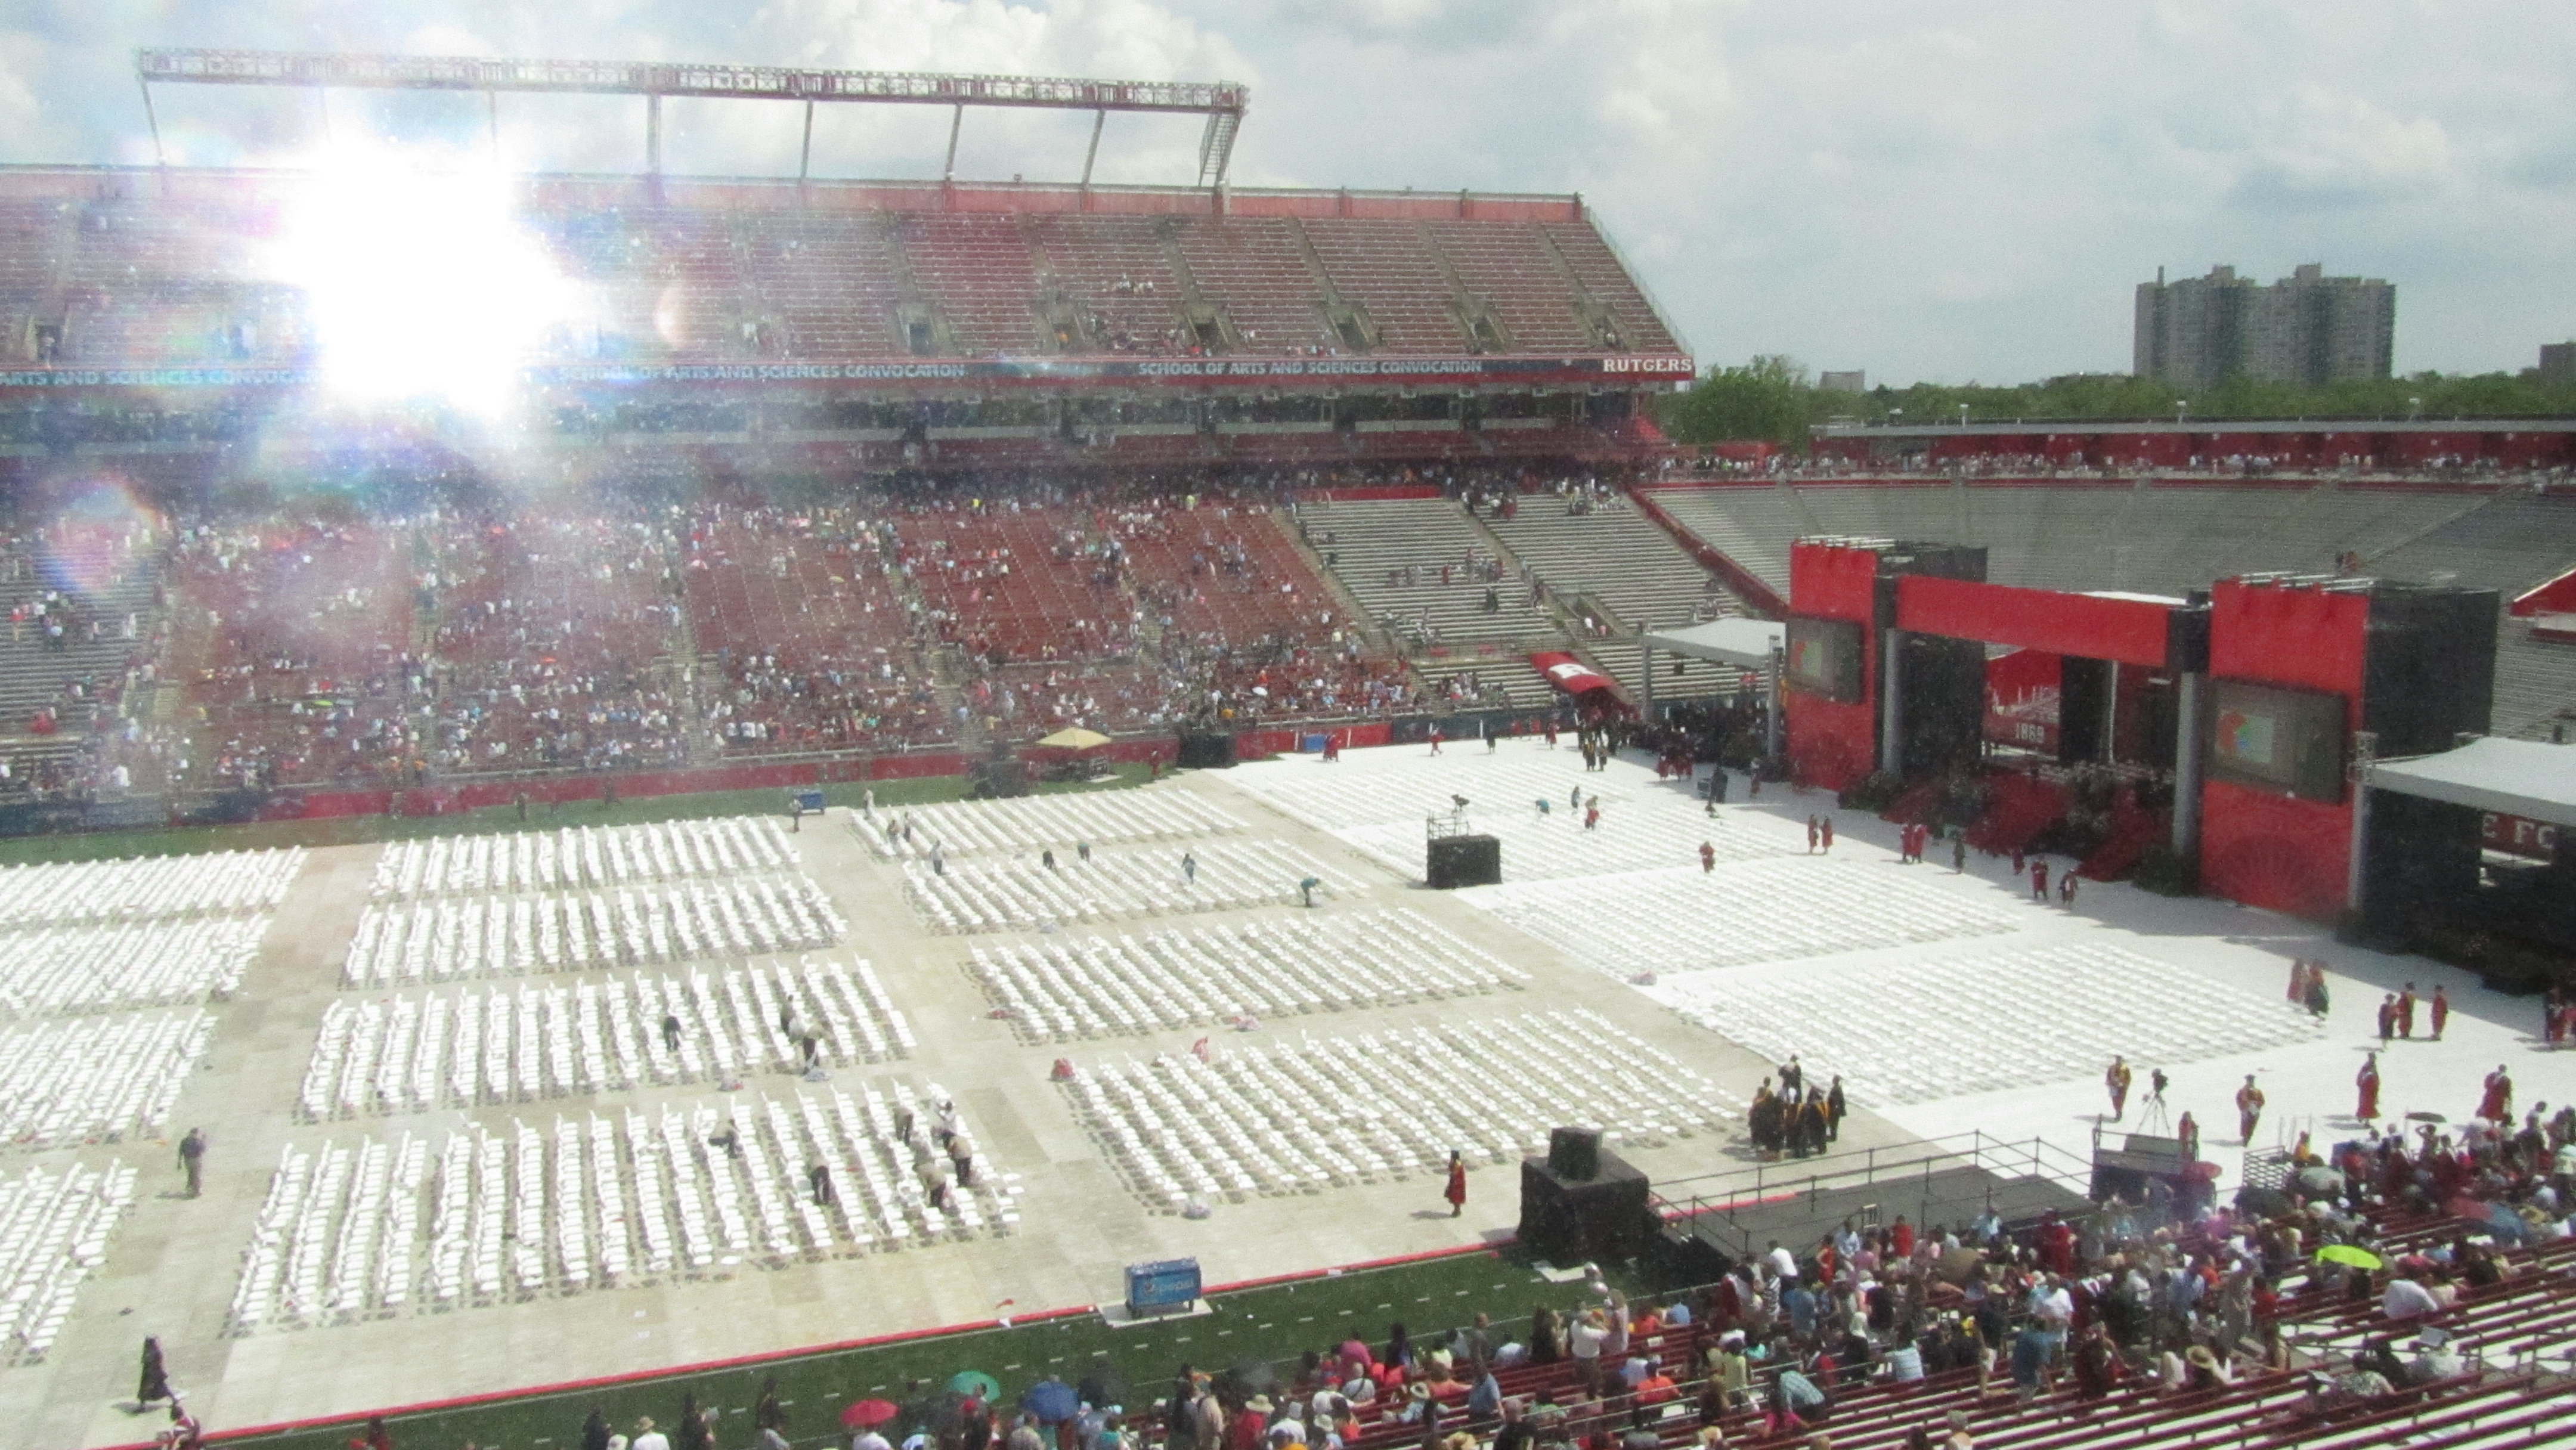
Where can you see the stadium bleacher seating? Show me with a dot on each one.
(84, 628)
(1424, 572)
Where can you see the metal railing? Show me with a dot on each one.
(1710, 1205)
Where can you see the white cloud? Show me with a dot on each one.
(1967, 189)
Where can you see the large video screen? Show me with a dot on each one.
(2276, 739)
(1824, 658)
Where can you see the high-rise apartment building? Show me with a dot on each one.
(2306, 328)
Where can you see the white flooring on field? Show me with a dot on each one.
(1947, 1002)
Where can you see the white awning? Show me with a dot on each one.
(1744, 642)
(2526, 778)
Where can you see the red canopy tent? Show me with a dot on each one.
(1573, 676)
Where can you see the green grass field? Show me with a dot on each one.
(1274, 1323)
(364, 830)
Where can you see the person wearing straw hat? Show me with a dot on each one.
(1251, 1425)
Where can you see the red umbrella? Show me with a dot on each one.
(868, 1414)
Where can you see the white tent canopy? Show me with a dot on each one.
(1746, 643)
(2525, 778)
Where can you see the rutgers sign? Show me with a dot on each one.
(2518, 837)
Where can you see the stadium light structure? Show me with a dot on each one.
(1222, 102)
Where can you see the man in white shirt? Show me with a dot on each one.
(869, 1439)
(2406, 1299)
(648, 1438)
(1585, 1342)
(1784, 1264)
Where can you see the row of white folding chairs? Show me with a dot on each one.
(97, 1079)
(583, 857)
(545, 1040)
(1040, 822)
(446, 938)
(217, 882)
(1555, 844)
(343, 1232)
(1937, 1028)
(1683, 919)
(1370, 789)
(1298, 1116)
(993, 895)
(126, 964)
(1649, 1089)
(1070, 987)
(54, 1230)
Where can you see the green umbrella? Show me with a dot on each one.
(2353, 1254)
(977, 1383)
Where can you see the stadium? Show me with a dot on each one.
(1323, 819)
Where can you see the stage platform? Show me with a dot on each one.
(1797, 1219)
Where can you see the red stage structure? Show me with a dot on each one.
(2250, 703)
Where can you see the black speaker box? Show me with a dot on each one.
(1600, 1221)
(1001, 776)
(1574, 1154)
(1206, 752)
(1456, 861)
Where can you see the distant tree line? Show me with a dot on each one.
(1774, 398)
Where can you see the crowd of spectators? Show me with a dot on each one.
(328, 643)
(554, 633)
(1938, 1332)
(2449, 468)
(810, 641)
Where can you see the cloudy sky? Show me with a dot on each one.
(1952, 192)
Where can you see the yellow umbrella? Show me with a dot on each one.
(1076, 738)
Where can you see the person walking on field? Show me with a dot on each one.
(156, 1376)
(1825, 833)
(1707, 857)
(2039, 878)
(2117, 1080)
(2368, 1082)
(192, 1159)
(2441, 1010)
(2249, 1109)
(2496, 1104)
(1456, 1192)
(2406, 1012)
(1811, 835)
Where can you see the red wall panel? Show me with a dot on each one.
(2257, 847)
(1832, 581)
(2127, 630)
(2270, 850)
(1831, 744)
